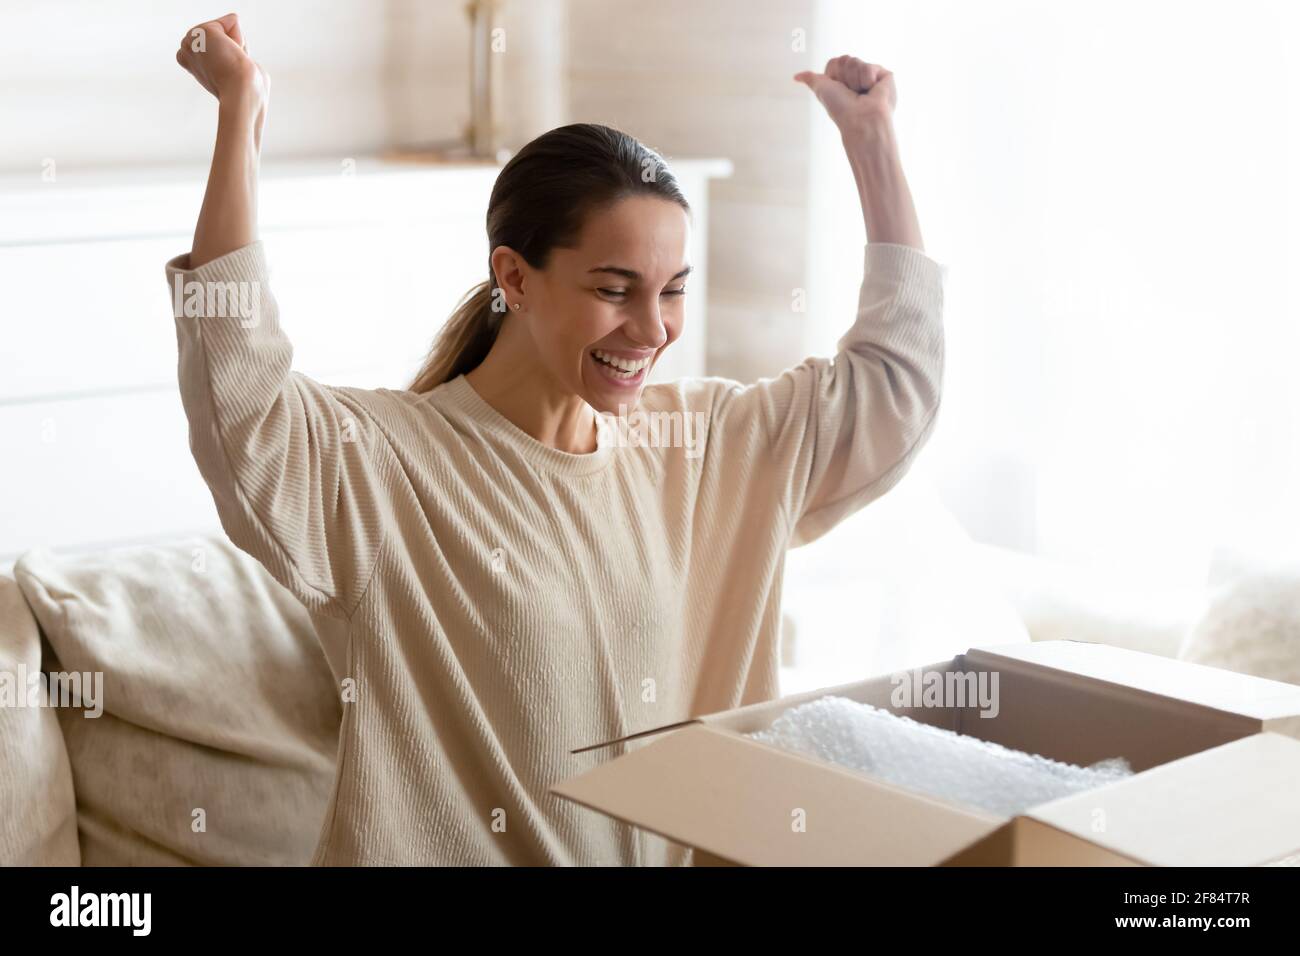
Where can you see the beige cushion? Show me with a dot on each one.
(38, 811)
(220, 716)
(1252, 625)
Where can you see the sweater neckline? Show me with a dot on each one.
(463, 395)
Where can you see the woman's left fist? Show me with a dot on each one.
(858, 96)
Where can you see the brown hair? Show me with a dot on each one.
(540, 201)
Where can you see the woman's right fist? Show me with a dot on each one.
(217, 56)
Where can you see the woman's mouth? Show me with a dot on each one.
(619, 371)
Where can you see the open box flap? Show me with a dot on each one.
(1244, 695)
(740, 799)
(1234, 805)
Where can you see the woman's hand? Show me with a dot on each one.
(216, 55)
(859, 97)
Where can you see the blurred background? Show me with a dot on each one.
(1112, 187)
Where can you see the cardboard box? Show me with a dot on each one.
(1215, 755)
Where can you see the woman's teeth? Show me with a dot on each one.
(620, 367)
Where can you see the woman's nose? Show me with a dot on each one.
(647, 329)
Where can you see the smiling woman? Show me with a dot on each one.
(515, 581)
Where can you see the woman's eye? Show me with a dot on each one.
(621, 293)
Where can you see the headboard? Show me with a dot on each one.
(368, 258)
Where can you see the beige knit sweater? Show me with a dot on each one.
(489, 603)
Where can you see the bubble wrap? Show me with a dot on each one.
(958, 768)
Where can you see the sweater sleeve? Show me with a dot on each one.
(830, 435)
(290, 463)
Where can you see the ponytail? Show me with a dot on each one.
(463, 342)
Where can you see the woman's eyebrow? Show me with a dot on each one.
(633, 274)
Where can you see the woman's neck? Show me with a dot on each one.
(522, 391)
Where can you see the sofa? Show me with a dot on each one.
(211, 737)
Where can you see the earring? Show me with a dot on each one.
(515, 306)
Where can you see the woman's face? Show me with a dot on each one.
(600, 315)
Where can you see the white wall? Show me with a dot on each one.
(89, 82)
(1114, 188)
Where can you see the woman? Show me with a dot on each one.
(513, 581)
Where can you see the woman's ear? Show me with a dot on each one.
(510, 270)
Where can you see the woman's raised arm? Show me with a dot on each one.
(836, 433)
(295, 467)
(217, 56)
